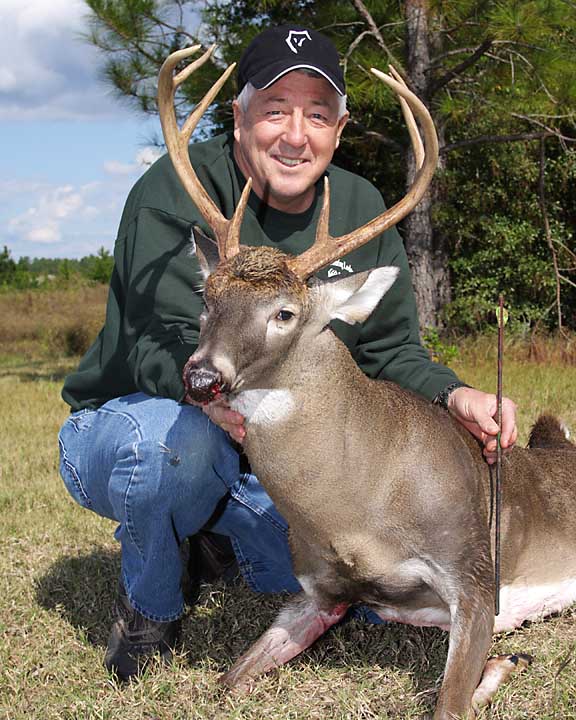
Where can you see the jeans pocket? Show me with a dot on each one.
(82, 420)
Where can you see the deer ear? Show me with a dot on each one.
(206, 250)
(353, 298)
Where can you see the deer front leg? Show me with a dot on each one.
(298, 625)
(470, 638)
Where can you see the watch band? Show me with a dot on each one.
(442, 397)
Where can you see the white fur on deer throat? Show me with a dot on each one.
(264, 407)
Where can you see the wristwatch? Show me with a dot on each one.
(442, 397)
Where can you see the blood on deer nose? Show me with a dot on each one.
(202, 384)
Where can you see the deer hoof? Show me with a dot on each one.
(521, 660)
(498, 670)
(236, 686)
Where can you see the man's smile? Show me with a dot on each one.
(290, 162)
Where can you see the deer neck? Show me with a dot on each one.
(306, 398)
(308, 375)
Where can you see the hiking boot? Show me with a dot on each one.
(210, 557)
(134, 639)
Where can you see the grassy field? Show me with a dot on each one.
(59, 564)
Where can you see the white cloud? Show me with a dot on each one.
(114, 167)
(41, 223)
(48, 234)
(51, 101)
(148, 155)
(144, 158)
(7, 79)
(46, 70)
(68, 219)
(10, 188)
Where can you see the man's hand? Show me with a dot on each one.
(229, 420)
(476, 410)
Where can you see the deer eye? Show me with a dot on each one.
(284, 315)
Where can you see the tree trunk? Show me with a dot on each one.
(426, 252)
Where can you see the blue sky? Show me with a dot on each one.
(70, 152)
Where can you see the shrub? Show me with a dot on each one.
(439, 350)
(77, 339)
(53, 322)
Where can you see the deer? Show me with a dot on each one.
(387, 497)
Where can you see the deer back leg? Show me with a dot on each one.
(298, 625)
(471, 626)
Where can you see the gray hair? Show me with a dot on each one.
(248, 91)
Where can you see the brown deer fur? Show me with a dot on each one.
(387, 496)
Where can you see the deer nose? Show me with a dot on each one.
(201, 382)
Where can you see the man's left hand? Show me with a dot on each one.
(476, 410)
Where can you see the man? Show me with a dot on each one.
(133, 450)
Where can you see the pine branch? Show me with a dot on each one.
(566, 249)
(458, 70)
(437, 61)
(353, 45)
(533, 71)
(546, 128)
(131, 41)
(388, 142)
(481, 139)
(175, 29)
(375, 30)
(567, 280)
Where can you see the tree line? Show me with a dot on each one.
(37, 273)
(497, 76)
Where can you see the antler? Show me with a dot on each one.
(327, 248)
(227, 231)
(415, 138)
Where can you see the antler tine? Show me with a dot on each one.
(327, 248)
(415, 138)
(227, 232)
(324, 219)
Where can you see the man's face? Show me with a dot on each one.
(286, 138)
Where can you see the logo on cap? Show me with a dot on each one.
(296, 39)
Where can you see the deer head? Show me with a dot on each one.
(257, 310)
(259, 301)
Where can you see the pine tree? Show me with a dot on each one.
(493, 72)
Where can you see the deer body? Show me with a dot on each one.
(383, 478)
(386, 496)
(330, 400)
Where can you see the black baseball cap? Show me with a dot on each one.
(281, 49)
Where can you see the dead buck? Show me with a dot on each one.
(387, 497)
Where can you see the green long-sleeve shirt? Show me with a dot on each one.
(154, 303)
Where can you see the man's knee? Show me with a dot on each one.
(147, 453)
(183, 461)
(181, 431)
(156, 486)
(194, 438)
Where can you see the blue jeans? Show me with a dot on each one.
(160, 469)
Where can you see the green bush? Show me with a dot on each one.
(439, 350)
(490, 215)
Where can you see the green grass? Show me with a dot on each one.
(58, 570)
